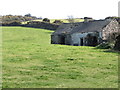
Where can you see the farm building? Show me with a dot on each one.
(88, 33)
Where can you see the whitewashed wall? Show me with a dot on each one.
(76, 37)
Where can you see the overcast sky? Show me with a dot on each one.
(97, 9)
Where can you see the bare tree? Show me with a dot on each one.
(71, 19)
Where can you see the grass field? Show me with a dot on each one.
(30, 61)
(52, 20)
(64, 20)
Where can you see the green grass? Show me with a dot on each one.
(66, 21)
(52, 20)
(30, 61)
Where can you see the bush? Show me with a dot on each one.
(58, 21)
(104, 46)
(10, 18)
(15, 23)
(46, 20)
(28, 15)
(11, 23)
(117, 44)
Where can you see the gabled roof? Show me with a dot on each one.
(91, 26)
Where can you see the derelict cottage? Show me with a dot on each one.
(87, 33)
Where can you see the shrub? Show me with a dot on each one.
(58, 21)
(117, 44)
(10, 18)
(11, 23)
(46, 20)
(104, 46)
(28, 15)
(15, 23)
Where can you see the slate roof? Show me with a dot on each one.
(91, 26)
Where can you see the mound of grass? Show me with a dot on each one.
(30, 61)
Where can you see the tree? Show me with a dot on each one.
(71, 19)
(87, 19)
(28, 15)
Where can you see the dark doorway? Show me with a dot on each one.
(62, 39)
(81, 41)
(92, 40)
(95, 42)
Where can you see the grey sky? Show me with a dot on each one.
(61, 8)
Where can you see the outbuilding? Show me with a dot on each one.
(88, 33)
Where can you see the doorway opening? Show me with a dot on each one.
(81, 41)
(62, 39)
(91, 40)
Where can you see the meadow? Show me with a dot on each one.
(31, 61)
(52, 20)
(64, 20)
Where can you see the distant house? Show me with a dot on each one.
(90, 33)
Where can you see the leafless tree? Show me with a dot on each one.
(71, 19)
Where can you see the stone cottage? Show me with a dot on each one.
(90, 33)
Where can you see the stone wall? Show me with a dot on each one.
(43, 25)
(61, 39)
(76, 38)
(54, 39)
(112, 27)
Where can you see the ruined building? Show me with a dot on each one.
(90, 33)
